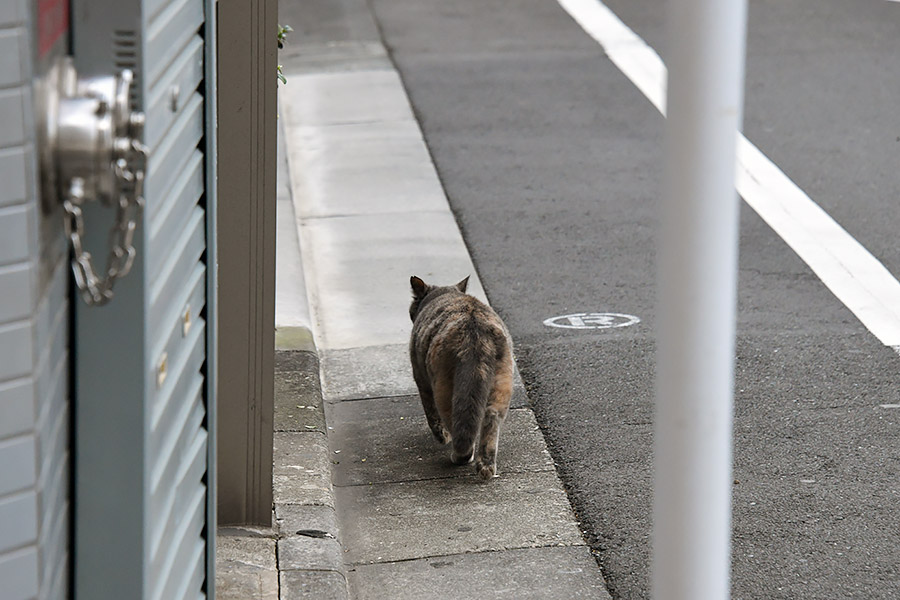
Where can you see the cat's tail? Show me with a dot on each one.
(472, 383)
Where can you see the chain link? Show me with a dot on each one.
(129, 172)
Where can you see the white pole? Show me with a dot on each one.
(697, 289)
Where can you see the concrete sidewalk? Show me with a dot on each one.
(367, 505)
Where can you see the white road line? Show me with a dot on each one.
(850, 271)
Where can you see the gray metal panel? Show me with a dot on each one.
(169, 156)
(175, 209)
(181, 201)
(109, 366)
(175, 272)
(168, 35)
(172, 91)
(148, 346)
(176, 301)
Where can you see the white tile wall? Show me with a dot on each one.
(34, 405)
(18, 469)
(14, 236)
(12, 12)
(10, 63)
(16, 407)
(12, 168)
(19, 573)
(12, 113)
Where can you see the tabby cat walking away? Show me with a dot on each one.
(462, 363)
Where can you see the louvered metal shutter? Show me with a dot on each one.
(175, 234)
(145, 363)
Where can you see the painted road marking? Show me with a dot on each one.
(850, 271)
(591, 321)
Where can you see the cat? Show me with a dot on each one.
(462, 363)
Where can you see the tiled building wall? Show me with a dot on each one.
(34, 405)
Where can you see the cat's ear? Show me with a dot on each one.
(461, 286)
(419, 287)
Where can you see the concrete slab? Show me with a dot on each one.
(388, 440)
(291, 303)
(293, 518)
(367, 372)
(306, 552)
(315, 99)
(361, 265)
(299, 58)
(302, 472)
(363, 168)
(313, 585)
(403, 521)
(327, 21)
(246, 568)
(298, 399)
(529, 574)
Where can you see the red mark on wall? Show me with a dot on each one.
(53, 22)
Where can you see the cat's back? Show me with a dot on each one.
(456, 319)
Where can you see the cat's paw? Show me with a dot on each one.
(485, 471)
(442, 435)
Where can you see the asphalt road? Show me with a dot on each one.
(551, 160)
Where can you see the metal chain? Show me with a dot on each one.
(97, 291)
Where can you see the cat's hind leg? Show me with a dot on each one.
(494, 415)
(426, 395)
(443, 402)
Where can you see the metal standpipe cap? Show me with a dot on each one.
(85, 144)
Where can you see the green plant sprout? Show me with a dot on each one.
(283, 31)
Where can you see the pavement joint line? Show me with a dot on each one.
(467, 476)
(474, 552)
(366, 398)
(348, 124)
(311, 570)
(365, 215)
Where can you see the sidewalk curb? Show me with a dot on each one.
(310, 559)
(300, 556)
